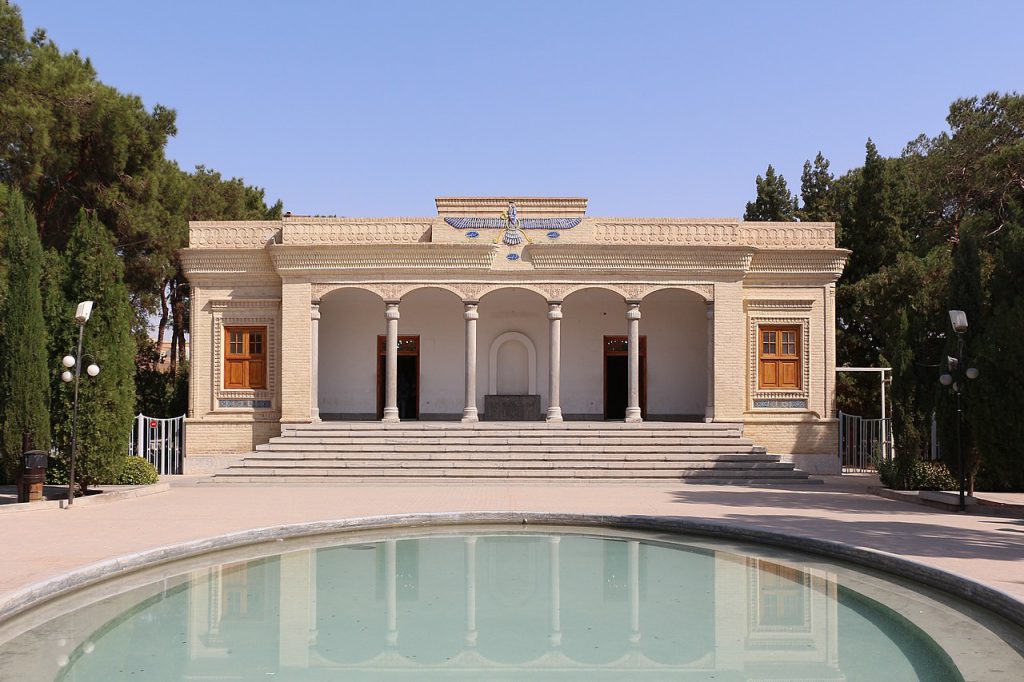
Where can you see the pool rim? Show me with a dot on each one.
(989, 598)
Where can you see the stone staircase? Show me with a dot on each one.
(598, 451)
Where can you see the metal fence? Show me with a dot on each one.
(863, 441)
(160, 441)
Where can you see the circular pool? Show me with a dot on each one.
(506, 602)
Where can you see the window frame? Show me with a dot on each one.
(246, 358)
(779, 358)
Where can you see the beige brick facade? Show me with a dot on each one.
(272, 274)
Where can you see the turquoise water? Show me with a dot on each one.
(495, 606)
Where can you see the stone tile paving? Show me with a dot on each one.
(45, 543)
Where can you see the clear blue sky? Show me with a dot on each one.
(648, 108)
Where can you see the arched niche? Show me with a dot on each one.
(500, 381)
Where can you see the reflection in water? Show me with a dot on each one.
(492, 607)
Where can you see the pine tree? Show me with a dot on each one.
(105, 402)
(816, 190)
(774, 201)
(24, 382)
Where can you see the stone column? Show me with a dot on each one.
(471, 633)
(314, 375)
(554, 361)
(471, 315)
(634, 591)
(709, 406)
(391, 362)
(391, 590)
(556, 591)
(633, 413)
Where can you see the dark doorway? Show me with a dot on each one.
(616, 376)
(408, 376)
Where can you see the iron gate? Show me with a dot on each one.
(160, 441)
(863, 441)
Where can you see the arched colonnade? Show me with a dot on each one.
(584, 352)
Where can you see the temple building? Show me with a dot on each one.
(512, 309)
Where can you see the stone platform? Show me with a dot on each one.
(605, 451)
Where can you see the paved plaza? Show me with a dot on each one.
(45, 542)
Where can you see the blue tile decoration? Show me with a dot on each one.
(254, 404)
(472, 234)
(553, 235)
(781, 404)
(463, 223)
(513, 256)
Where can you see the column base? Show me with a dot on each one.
(469, 415)
(633, 415)
(315, 415)
(554, 415)
(390, 415)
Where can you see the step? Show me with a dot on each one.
(466, 455)
(490, 473)
(540, 463)
(517, 426)
(509, 439)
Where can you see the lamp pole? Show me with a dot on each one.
(82, 315)
(956, 379)
(74, 417)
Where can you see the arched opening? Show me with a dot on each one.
(675, 324)
(351, 319)
(513, 323)
(588, 317)
(434, 317)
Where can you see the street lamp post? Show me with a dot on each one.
(82, 315)
(956, 378)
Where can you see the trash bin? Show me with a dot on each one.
(32, 475)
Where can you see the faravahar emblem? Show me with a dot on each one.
(512, 226)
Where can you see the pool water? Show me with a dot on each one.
(494, 606)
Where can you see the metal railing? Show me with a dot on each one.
(863, 441)
(160, 441)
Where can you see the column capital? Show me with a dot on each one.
(633, 312)
(471, 312)
(554, 311)
(314, 310)
(391, 310)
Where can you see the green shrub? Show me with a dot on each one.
(921, 476)
(56, 470)
(137, 471)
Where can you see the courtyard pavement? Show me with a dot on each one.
(48, 541)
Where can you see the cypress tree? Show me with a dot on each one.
(774, 202)
(24, 382)
(816, 191)
(105, 402)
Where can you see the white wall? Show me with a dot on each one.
(675, 323)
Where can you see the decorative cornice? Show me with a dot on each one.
(599, 257)
(814, 262)
(527, 206)
(227, 234)
(244, 303)
(355, 230)
(778, 304)
(225, 262)
(384, 257)
(788, 235)
(713, 232)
